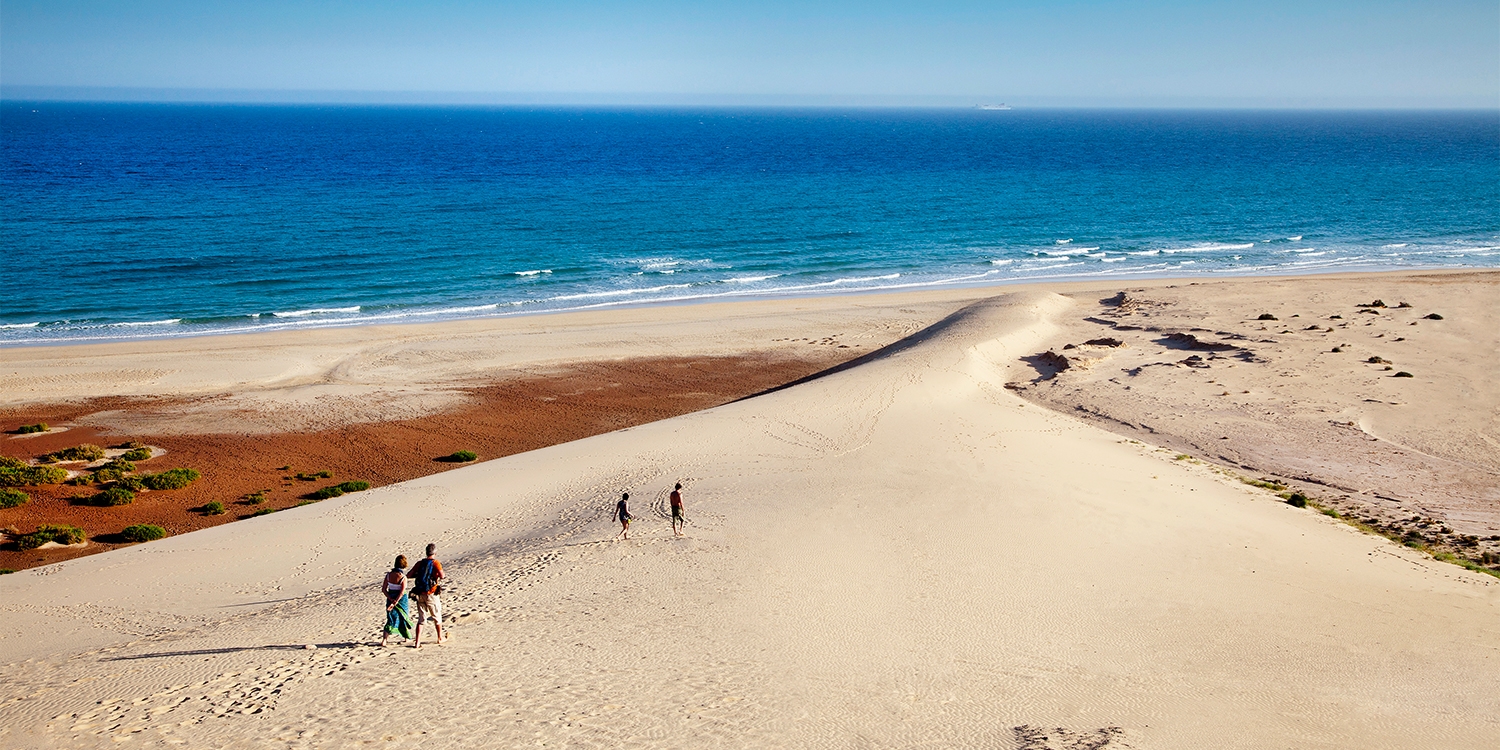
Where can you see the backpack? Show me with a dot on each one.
(425, 574)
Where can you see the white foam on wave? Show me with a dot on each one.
(1298, 238)
(1209, 248)
(1113, 260)
(537, 272)
(1395, 245)
(167, 322)
(750, 279)
(20, 325)
(1001, 261)
(1095, 255)
(617, 292)
(315, 311)
(1145, 252)
(1064, 242)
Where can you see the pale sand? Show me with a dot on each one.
(902, 553)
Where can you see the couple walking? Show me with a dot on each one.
(424, 589)
(622, 513)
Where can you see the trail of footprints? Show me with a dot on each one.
(258, 689)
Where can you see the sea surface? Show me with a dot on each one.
(123, 221)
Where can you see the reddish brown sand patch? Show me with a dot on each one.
(501, 418)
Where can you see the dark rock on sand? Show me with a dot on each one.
(1267, 316)
(1432, 316)
(1189, 341)
(1111, 342)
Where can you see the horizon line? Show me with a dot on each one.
(168, 95)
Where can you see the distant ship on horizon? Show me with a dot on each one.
(999, 106)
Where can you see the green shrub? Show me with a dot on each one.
(85, 452)
(143, 532)
(327, 492)
(460, 457)
(11, 462)
(6, 571)
(24, 475)
(256, 498)
(315, 476)
(27, 429)
(112, 497)
(59, 533)
(136, 454)
(354, 486)
(134, 484)
(261, 512)
(212, 508)
(82, 480)
(1297, 499)
(172, 479)
(13, 498)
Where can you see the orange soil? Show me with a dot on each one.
(500, 418)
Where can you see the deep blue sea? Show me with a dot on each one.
(150, 220)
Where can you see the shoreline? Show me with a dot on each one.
(1065, 280)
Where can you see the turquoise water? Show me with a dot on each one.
(137, 220)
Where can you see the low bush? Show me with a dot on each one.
(136, 454)
(11, 462)
(354, 486)
(327, 492)
(60, 533)
(143, 532)
(315, 476)
(172, 479)
(460, 457)
(24, 476)
(85, 452)
(1297, 499)
(134, 484)
(112, 497)
(213, 508)
(261, 512)
(27, 429)
(130, 444)
(10, 498)
(6, 571)
(256, 498)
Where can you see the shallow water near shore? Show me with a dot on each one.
(126, 221)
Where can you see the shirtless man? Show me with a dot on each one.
(676, 500)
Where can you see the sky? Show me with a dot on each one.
(1374, 53)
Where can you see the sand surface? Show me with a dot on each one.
(905, 552)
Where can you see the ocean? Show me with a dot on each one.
(123, 221)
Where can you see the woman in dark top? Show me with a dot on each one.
(622, 514)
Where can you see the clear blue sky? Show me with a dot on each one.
(1226, 53)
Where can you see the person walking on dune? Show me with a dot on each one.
(622, 514)
(397, 604)
(426, 575)
(676, 500)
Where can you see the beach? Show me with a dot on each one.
(1032, 516)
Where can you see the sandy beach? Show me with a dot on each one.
(1039, 516)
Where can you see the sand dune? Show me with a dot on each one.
(900, 553)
